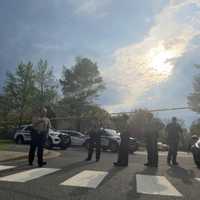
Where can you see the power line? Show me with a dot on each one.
(154, 110)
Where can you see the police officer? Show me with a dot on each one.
(94, 142)
(173, 130)
(151, 136)
(41, 125)
(123, 151)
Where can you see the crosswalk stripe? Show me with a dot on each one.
(87, 178)
(28, 175)
(198, 179)
(155, 185)
(4, 167)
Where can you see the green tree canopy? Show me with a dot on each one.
(81, 85)
(83, 81)
(45, 85)
(139, 121)
(19, 89)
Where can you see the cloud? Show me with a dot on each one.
(90, 7)
(139, 67)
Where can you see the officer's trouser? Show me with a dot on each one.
(172, 152)
(152, 153)
(92, 145)
(37, 141)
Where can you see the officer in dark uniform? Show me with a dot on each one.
(40, 129)
(151, 136)
(123, 151)
(173, 130)
(94, 142)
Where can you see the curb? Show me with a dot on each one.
(46, 152)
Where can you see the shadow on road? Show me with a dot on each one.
(111, 173)
(77, 165)
(185, 175)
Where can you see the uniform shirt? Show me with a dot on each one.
(41, 124)
(95, 135)
(173, 130)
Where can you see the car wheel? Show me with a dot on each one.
(114, 147)
(20, 140)
(63, 147)
(49, 144)
(104, 148)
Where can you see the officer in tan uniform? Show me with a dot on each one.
(41, 125)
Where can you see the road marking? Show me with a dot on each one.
(156, 185)
(28, 175)
(87, 178)
(198, 179)
(3, 167)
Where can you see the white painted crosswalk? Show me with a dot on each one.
(155, 185)
(28, 175)
(3, 167)
(87, 178)
(145, 184)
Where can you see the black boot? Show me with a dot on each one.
(42, 164)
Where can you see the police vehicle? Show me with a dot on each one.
(196, 151)
(54, 138)
(110, 140)
(77, 138)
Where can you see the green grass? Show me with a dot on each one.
(4, 144)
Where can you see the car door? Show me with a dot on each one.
(77, 139)
(105, 139)
(73, 138)
(27, 133)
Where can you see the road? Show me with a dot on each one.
(62, 177)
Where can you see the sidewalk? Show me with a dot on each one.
(20, 152)
(161, 153)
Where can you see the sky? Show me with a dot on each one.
(145, 50)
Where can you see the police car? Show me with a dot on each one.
(54, 138)
(77, 138)
(196, 151)
(110, 140)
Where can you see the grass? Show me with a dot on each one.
(5, 143)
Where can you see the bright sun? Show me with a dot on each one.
(159, 60)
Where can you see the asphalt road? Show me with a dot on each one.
(118, 184)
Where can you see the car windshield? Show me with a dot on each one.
(111, 132)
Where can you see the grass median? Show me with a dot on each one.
(5, 143)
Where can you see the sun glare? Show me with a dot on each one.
(159, 60)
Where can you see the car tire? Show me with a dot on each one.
(113, 147)
(63, 147)
(104, 148)
(20, 140)
(49, 143)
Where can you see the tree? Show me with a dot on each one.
(81, 85)
(120, 122)
(45, 84)
(19, 89)
(137, 123)
(195, 128)
(194, 97)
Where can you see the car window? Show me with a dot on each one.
(105, 134)
(111, 132)
(73, 134)
(28, 128)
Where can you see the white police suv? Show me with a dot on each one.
(54, 138)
